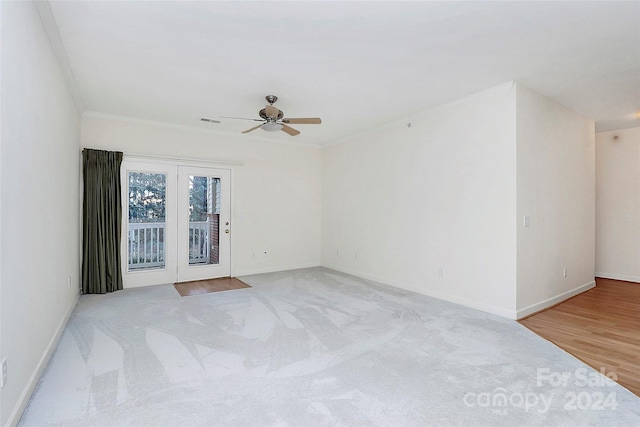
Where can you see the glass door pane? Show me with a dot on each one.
(204, 220)
(147, 220)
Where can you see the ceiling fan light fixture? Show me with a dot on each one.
(271, 127)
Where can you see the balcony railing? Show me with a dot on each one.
(146, 244)
(199, 246)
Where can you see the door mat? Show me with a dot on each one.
(198, 287)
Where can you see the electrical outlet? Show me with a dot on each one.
(440, 272)
(69, 281)
(3, 381)
(564, 272)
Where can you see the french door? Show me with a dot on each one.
(176, 223)
(203, 223)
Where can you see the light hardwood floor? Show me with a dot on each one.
(601, 327)
(197, 287)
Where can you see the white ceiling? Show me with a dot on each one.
(354, 64)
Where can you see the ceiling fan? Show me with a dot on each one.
(273, 119)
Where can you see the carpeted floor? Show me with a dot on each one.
(311, 347)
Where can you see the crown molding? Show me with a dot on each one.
(189, 128)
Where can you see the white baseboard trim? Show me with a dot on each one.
(250, 272)
(28, 390)
(539, 306)
(614, 276)
(487, 308)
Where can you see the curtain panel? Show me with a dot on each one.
(101, 221)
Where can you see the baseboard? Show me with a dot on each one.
(614, 276)
(250, 272)
(539, 306)
(23, 401)
(487, 308)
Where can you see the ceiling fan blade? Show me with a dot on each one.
(252, 129)
(291, 131)
(272, 112)
(240, 118)
(303, 121)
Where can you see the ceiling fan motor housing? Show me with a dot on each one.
(263, 114)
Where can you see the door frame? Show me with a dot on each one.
(135, 279)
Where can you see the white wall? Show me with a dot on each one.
(40, 203)
(276, 193)
(556, 190)
(402, 204)
(618, 204)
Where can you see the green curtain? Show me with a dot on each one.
(101, 222)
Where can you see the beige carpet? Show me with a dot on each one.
(198, 287)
